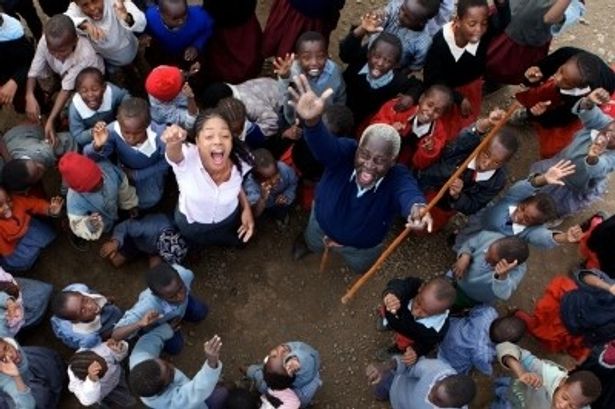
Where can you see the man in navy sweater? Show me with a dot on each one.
(361, 190)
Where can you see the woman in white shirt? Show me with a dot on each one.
(212, 209)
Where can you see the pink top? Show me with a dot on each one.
(287, 396)
(200, 199)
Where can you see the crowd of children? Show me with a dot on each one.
(151, 106)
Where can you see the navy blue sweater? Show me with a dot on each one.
(360, 222)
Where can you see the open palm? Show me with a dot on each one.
(308, 105)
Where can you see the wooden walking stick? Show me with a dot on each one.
(400, 238)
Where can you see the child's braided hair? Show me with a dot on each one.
(81, 361)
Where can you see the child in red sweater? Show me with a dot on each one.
(22, 237)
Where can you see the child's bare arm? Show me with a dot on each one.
(173, 137)
(597, 282)
(58, 105)
(556, 12)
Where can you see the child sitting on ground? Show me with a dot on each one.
(430, 383)
(95, 375)
(96, 190)
(418, 313)
(240, 126)
(160, 384)
(312, 61)
(541, 384)
(489, 267)
(153, 235)
(178, 33)
(170, 97)
(167, 299)
(481, 181)
(470, 341)
(271, 187)
(524, 213)
(279, 392)
(61, 51)
(292, 359)
(83, 318)
(22, 237)
(423, 132)
(372, 76)
(140, 152)
(23, 303)
(95, 101)
(110, 25)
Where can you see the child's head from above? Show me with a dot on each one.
(60, 36)
(454, 391)
(507, 248)
(434, 297)
(165, 83)
(414, 14)
(240, 398)
(213, 137)
(534, 210)
(91, 86)
(9, 351)
(433, 103)
(21, 174)
(280, 362)
(75, 306)
(80, 362)
(579, 389)
(265, 165)
(214, 93)
(134, 118)
(80, 173)
(338, 119)
(151, 377)
(506, 329)
(471, 21)
(235, 112)
(383, 54)
(377, 151)
(94, 9)
(6, 204)
(311, 50)
(164, 282)
(581, 70)
(173, 13)
(276, 378)
(495, 155)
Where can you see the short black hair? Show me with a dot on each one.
(162, 3)
(431, 7)
(390, 39)
(460, 390)
(444, 290)
(263, 158)
(89, 71)
(464, 5)
(512, 248)
(544, 204)
(81, 361)
(590, 384)
(59, 26)
(145, 379)
(443, 89)
(310, 37)
(339, 119)
(239, 398)
(507, 137)
(232, 109)
(134, 107)
(276, 381)
(506, 329)
(15, 175)
(589, 66)
(160, 276)
(214, 93)
(58, 304)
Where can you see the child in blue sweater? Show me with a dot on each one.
(95, 101)
(139, 149)
(179, 32)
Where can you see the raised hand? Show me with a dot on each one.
(149, 318)
(531, 379)
(599, 96)
(100, 134)
(120, 10)
(495, 116)
(307, 104)
(246, 230)
(409, 357)
(174, 135)
(540, 108)
(598, 146)
(455, 188)
(371, 22)
(212, 351)
(418, 218)
(559, 171)
(533, 74)
(94, 371)
(55, 206)
(392, 303)
(95, 33)
(461, 266)
(503, 267)
(282, 65)
(574, 234)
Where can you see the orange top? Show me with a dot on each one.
(14, 228)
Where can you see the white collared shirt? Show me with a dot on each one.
(435, 322)
(361, 190)
(575, 92)
(480, 176)
(420, 130)
(147, 147)
(86, 112)
(95, 324)
(456, 51)
(516, 227)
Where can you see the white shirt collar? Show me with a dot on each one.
(148, 147)
(516, 228)
(420, 130)
(94, 325)
(449, 38)
(85, 111)
(361, 190)
(480, 176)
(575, 92)
(434, 321)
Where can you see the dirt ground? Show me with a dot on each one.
(259, 296)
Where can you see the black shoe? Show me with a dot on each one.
(300, 248)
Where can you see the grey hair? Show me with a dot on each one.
(384, 132)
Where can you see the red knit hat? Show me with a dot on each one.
(164, 82)
(80, 173)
